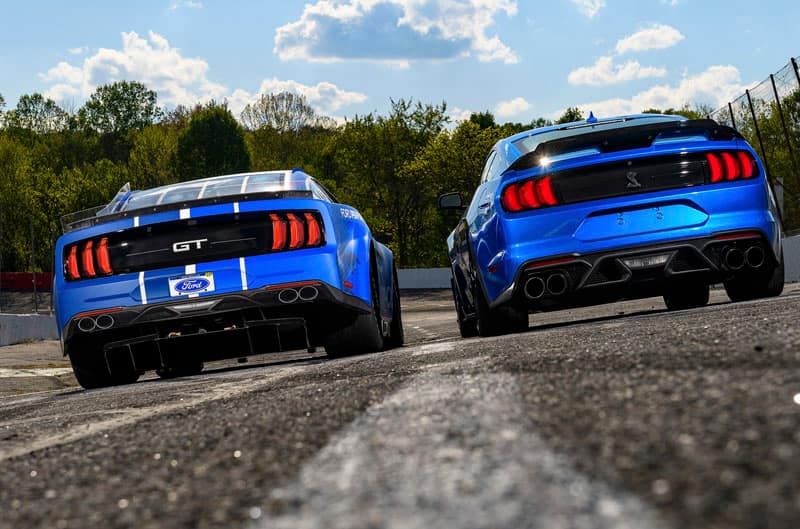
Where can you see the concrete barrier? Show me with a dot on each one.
(17, 328)
(791, 258)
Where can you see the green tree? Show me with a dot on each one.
(369, 157)
(213, 144)
(121, 107)
(152, 159)
(37, 114)
(284, 112)
(570, 115)
(484, 120)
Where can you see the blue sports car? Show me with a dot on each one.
(223, 267)
(609, 209)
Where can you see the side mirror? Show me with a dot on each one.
(451, 201)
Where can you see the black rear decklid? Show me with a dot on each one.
(623, 138)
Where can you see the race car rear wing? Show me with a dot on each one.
(624, 138)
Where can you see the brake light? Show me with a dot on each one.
(278, 232)
(529, 194)
(731, 165)
(72, 263)
(87, 260)
(314, 232)
(103, 259)
(296, 229)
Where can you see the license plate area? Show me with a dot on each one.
(646, 261)
(191, 285)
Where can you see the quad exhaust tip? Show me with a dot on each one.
(754, 256)
(734, 259)
(555, 285)
(290, 295)
(102, 322)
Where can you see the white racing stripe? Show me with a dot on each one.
(135, 222)
(243, 273)
(450, 451)
(191, 269)
(236, 207)
(142, 289)
(185, 213)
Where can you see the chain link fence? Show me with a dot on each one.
(768, 115)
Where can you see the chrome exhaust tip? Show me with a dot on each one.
(557, 284)
(104, 322)
(534, 288)
(288, 295)
(308, 293)
(734, 259)
(755, 257)
(86, 324)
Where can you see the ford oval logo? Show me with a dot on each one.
(194, 284)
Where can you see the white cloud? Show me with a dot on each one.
(589, 7)
(79, 50)
(715, 86)
(191, 4)
(605, 72)
(655, 37)
(459, 114)
(395, 31)
(178, 80)
(671, 3)
(511, 108)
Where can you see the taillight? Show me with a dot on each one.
(296, 230)
(278, 232)
(87, 259)
(72, 263)
(103, 259)
(314, 231)
(731, 165)
(292, 231)
(529, 194)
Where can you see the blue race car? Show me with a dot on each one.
(603, 210)
(224, 267)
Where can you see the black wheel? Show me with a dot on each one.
(501, 320)
(364, 334)
(91, 371)
(686, 296)
(767, 284)
(467, 328)
(185, 369)
(396, 335)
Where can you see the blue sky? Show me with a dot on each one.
(520, 59)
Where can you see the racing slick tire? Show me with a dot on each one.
(467, 328)
(91, 371)
(506, 319)
(396, 335)
(364, 334)
(768, 284)
(686, 296)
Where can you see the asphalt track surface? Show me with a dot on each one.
(618, 416)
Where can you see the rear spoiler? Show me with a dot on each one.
(633, 137)
(89, 217)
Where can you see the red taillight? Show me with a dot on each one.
(732, 170)
(544, 190)
(529, 194)
(296, 229)
(72, 263)
(731, 165)
(748, 164)
(314, 231)
(87, 260)
(103, 259)
(715, 167)
(510, 199)
(278, 232)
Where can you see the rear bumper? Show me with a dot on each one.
(281, 317)
(615, 274)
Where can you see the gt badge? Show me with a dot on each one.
(185, 246)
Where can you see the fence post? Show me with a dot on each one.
(733, 119)
(785, 130)
(33, 269)
(796, 72)
(758, 132)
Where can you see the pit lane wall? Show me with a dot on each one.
(16, 328)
